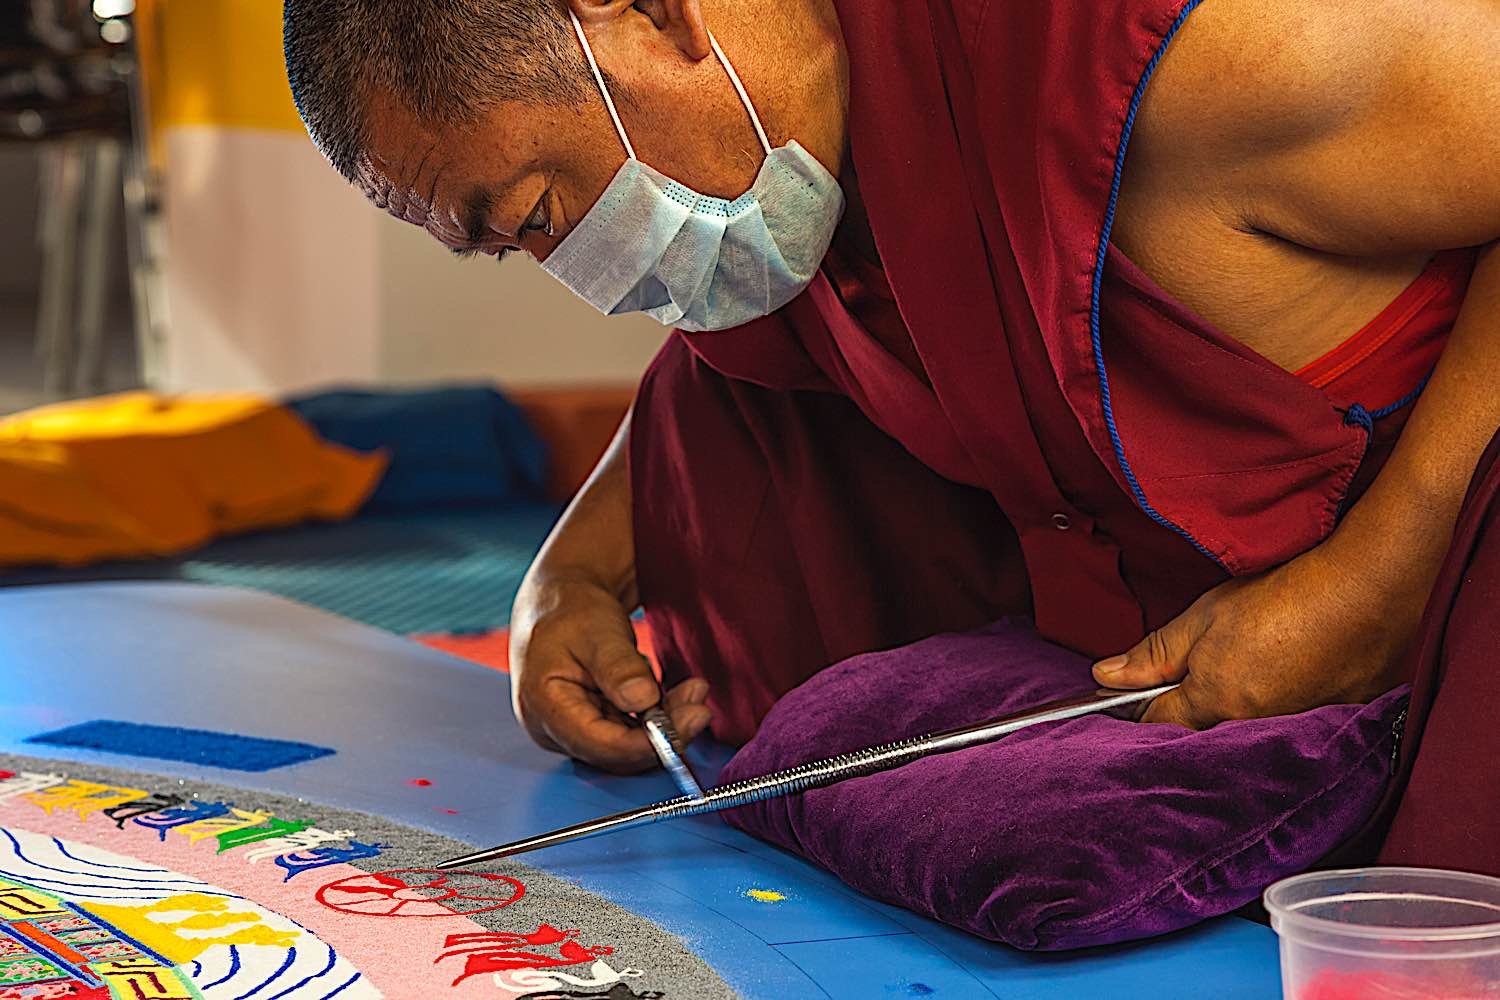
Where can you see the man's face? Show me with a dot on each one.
(523, 176)
(501, 185)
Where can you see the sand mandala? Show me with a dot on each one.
(117, 885)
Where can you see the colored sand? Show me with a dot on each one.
(765, 896)
(492, 648)
(1331, 984)
(669, 968)
(191, 746)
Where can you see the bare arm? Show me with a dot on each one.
(593, 539)
(1408, 158)
(575, 669)
(1364, 128)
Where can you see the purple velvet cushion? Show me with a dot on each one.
(1070, 834)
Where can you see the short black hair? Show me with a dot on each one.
(447, 61)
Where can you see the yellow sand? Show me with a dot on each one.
(180, 928)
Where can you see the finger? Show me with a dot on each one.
(1160, 658)
(690, 717)
(520, 706)
(528, 702)
(685, 703)
(1175, 708)
(689, 692)
(540, 737)
(621, 672)
(692, 721)
(578, 720)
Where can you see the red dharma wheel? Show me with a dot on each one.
(420, 892)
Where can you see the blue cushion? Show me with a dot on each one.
(459, 445)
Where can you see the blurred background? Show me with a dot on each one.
(173, 242)
(68, 86)
(169, 225)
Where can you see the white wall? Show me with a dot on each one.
(271, 267)
(442, 317)
(279, 277)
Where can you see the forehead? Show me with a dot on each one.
(458, 217)
(393, 189)
(402, 160)
(434, 175)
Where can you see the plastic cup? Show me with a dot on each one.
(1387, 934)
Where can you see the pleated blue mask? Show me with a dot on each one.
(655, 246)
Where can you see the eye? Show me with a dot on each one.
(540, 220)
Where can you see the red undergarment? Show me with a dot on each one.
(1388, 359)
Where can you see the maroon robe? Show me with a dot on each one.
(1023, 423)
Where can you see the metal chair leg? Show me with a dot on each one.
(63, 167)
(94, 264)
(143, 233)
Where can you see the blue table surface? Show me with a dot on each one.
(243, 662)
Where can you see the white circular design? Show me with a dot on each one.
(91, 884)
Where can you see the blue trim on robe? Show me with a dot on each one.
(1104, 237)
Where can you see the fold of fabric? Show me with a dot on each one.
(140, 474)
(1066, 835)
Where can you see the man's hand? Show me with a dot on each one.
(574, 668)
(575, 672)
(1303, 635)
(1333, 624)
(1417, 83)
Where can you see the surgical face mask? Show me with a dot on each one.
(655, 246)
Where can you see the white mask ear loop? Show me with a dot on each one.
(739, 88)
(609, 102)
(734, 78)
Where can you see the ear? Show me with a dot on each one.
(680, 20)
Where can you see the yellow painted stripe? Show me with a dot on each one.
(215, 62)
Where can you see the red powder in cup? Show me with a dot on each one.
(1332, 984)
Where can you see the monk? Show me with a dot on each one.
(1172, 327)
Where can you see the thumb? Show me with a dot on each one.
(1160, 658)
(622, 673)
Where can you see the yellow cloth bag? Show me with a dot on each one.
(140, 474)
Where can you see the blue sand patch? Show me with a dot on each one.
(190, 746)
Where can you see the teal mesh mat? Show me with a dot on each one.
(436, 571)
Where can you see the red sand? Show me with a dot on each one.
(1332, 984)
(493, 648)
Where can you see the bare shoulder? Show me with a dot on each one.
(1249, 71)
(1295, 96)
(1284, 69)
